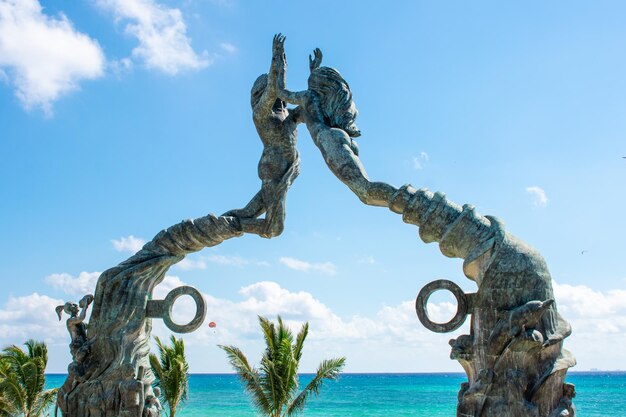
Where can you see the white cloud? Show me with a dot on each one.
(31, 316)
(393, 329)
(189, 264)
(418, 161)
(441, 312)
(299, 265)
(598, 320)
(44, 57)
(227, 260)
(130, 244)
(540, 199)
(84, 283)
(200, 262)
(388, 339)
(161, 32)
(228, 47)
(168, 284)
(582, 302)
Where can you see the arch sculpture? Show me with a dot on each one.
(513, 356)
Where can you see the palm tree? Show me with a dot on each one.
(172, 373)
(274, 388)
(22, 381)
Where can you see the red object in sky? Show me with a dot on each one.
(212, 324)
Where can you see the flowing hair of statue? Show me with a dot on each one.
(335, 99)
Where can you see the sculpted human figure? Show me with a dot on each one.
(329, 114)
(153, 405)
(566, 406)
(76, 325)
(74, 377)
(280, 163)
(513, 355)
(95, 406)
(131, 397)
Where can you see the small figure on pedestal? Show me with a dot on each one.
(131, 396)
(76, 325)
(153, 405)
(79, 347)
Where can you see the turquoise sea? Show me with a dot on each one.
(599, 394)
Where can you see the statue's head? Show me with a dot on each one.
(128, 371)
(335, 98)
(569, 390)
(69, 308)
(157, 391)
(257, 91)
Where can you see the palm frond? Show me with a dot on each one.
(328, 369)
(249, 376)
(300, 338)
(44, 401)
(273, 387)
(171, 372)
(37, 350)
(22, 380)
(269, 334)
(14, 394)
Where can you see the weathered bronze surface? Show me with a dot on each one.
(513, 356)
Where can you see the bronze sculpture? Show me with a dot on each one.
(513, 356)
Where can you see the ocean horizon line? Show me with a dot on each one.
(616, 371)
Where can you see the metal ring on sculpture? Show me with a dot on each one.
(163, 309)
(462, 306)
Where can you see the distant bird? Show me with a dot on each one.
(583, 252)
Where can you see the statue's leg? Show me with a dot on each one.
(252, 210)
(253, 226)
(274, 197)
(337, 151)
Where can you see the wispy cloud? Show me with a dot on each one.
(161, 32)
(223, 3)
(189, 264)
(130, 244)
(120, 67)
(299, 265)
(227, 260)
(539, 197)
(228, 47)
(44, 57)
(201, 262)
(369, 260)
(84, 283)
(420, 161)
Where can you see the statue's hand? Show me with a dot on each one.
(316, 62)
(85, 301)
(278, 45)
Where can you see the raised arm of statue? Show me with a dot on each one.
(300, 98)
(329, 113)
(263, 108)
(315, 63)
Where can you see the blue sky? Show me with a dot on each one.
(120, 118)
